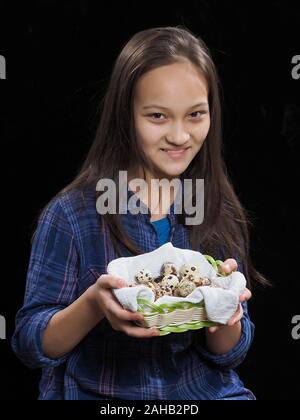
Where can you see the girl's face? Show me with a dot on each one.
(171, 116)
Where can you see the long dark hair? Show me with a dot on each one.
(226, 223)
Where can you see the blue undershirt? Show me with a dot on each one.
(163, 229)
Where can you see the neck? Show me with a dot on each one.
(159, 199)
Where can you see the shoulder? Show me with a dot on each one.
(71, 206)
(77, 200)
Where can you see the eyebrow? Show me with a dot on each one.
(163, 107)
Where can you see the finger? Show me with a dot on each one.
(237, 316)
(234, 317)
(118, 324)
(246, 295)
(111, 282)
(139, 332)
(229, 265)
(212, 330)
(115, 310)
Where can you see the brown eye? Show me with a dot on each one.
(193, 268)
(156, 116)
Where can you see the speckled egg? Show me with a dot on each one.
(202, 282)
(163, 291)
(190, 277)
(158, 279)
(170, 281)
(189, 270)
(206, 282)
(184, 288)
(168, 268)
(143, 276)
(151, 286)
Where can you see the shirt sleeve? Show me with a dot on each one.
(236, 356)
(50, 287)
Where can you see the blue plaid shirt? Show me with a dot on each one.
(71, 249)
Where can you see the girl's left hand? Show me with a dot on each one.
(228, 266)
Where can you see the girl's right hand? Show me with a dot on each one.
(119, 318)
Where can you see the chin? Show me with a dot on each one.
(172, 173)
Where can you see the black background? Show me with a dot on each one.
(59, 57)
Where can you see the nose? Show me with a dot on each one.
(178, 135)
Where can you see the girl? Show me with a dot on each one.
(161, 118)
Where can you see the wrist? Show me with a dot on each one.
(224, 339)
(92, 297)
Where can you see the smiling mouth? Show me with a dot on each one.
(174, 150)
(175, 153)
